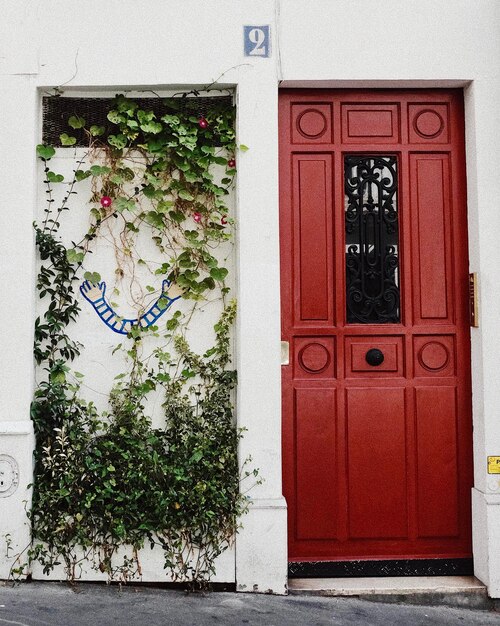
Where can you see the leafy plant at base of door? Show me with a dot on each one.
(107, 484)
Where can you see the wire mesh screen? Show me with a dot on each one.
(57, 110)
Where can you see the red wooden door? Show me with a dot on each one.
(376, 398)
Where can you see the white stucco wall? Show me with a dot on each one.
(124, 44)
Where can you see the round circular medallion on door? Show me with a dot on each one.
(433, 356)
(311, 124)
(428, 124)
(314, 358)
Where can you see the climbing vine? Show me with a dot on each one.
(108, 483)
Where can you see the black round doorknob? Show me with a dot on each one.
(374, 356)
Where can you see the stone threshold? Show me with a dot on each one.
(466, 591)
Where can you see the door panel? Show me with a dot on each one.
(376, 399)
(313, 237)
(437, 476)
(376, 466)
(431, 212)
(315, 428)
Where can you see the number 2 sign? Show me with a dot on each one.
(257, 42)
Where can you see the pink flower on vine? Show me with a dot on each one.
(197, 217)
(223, 220)
(106, 201)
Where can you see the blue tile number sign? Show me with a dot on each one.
(257, 42)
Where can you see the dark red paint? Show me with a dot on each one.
(377, 461)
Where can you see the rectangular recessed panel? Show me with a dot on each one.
(315, 418)
(376, 443)
(437, 461)
(430, 204)
(361, 362)
(359, 355)
(313, 214)
(370, 123)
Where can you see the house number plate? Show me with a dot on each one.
(256, 41)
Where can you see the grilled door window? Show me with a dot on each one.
(372, 250)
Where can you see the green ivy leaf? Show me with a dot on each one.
(115, 118)
(117, 141)
(244, 148)
(219, 161)
(218, 273)
(45, 152)
(162, 304)
(133, 228)
(171, 120)
(73, 256)
(82, 174)
(164, 205)
(156, 144)
(116, 178)
(152, 127)
(54, 178)
(58, 374)
(185, 195)
(97, 131)
(154, 218)
(177, 216)
(123, 204)
(124, 105)
(92, 277)
(145, 116)
(75, 121)
(66, 140)
(209, 282)
(191, 177)
(99, 170)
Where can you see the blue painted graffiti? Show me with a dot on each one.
(96, 295)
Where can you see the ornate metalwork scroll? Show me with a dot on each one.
(371, 222)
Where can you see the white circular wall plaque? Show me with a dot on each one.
(9, 475)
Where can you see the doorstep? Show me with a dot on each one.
(464, 591)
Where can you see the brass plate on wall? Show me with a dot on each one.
(494, 465)
(473, 300)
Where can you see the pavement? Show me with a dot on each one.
(88, 604)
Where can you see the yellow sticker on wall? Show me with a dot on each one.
(494, 465)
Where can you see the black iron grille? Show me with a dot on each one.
(58, 109)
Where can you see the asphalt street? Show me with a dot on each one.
(57, 604)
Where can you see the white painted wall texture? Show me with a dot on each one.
(125, 44)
